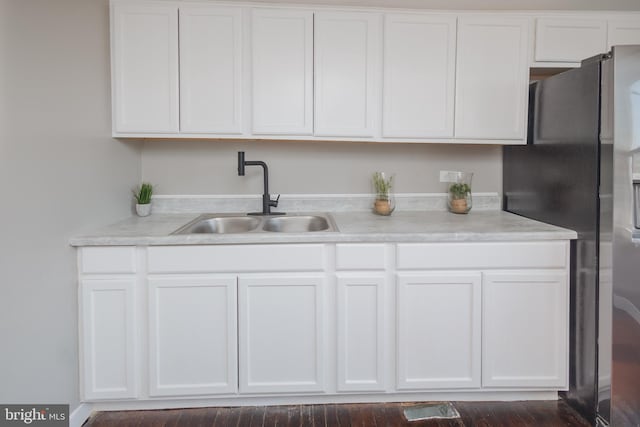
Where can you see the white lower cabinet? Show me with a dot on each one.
(365, 319)
(438, 330)
(281, 333)
(360, 339)
(525, 329)
(108, 346)
(192, 335)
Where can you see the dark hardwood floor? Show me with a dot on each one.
(472, 414)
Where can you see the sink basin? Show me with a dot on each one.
(220, 225)
(296, 224)
(237, 223)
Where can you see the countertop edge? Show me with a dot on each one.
(243, 239)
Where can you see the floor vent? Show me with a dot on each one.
(431, 411)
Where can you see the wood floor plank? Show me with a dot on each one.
(319, 415)
(379, 415)
(395, 415)
(222, 417)
(257, 416)
(306, 416)
(331, 414)
(343, 415)
(276, 416)
(244, 417)
(294, 416)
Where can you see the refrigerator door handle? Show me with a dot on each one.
(636, 203)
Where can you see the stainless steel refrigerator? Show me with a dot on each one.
(580, 169)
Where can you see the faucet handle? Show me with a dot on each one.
(274, 203)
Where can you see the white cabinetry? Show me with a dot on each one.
(492, 77)
(525, 329)
(419, 75)
(281, 333)
(438, 330)
(524, 313)
(108, 327)
(144, 40)
(569, 40)
(108, 323)
(363, 287)
(282, 57)
(332, 320)
(623, 32)
(192, 335)
(347, 56)
(210, 70)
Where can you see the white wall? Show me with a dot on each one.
(210, 167)
(60, 171)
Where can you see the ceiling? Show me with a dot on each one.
(479, 4)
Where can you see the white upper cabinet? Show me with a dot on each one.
(347, 56)
(189, 69)
(144, 68)
(210, 69)
(623, 32)
(282, 55)
(419, 75)
(568, 39)
(492, 77)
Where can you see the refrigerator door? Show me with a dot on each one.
(605, 281)
(555, 179)
(625, 402)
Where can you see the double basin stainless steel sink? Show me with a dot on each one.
(236, 223)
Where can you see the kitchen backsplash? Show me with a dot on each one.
(314, 202)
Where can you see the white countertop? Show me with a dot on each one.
(408, 226)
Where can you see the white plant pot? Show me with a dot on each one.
(143, 210)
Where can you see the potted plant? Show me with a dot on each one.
(384, 203)
(143, 194)
(459, 196)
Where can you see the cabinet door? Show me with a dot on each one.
(192, 336)
(210, 69)
(145, 68)
(419, 76)
(525, 329)
(438, 330)
(280, 333)
(347, 55)
(569, 40)
(361, 342)
(108, 329)
(623, 32)
(282, 54)
(492, 78)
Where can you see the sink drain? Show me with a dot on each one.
(431, 411)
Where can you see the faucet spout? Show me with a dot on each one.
(267, 203)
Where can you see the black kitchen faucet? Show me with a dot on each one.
(267, 203)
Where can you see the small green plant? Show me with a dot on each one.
(382, 185)
(459, 190)
(143, 193)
